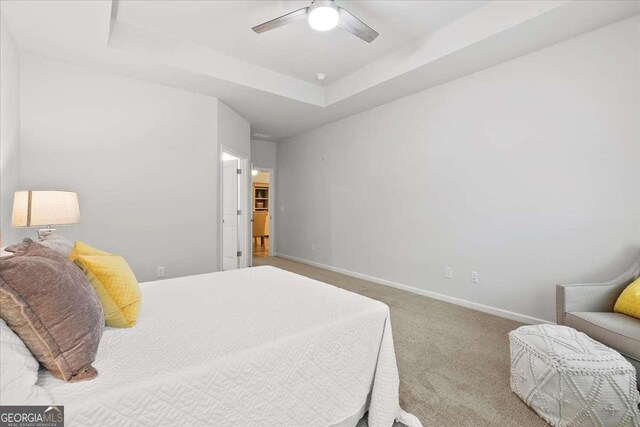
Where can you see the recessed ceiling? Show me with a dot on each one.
(295, 49)
(208, 47)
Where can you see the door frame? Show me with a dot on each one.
(272, 209)
(244, 224)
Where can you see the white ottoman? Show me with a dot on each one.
(570, 379)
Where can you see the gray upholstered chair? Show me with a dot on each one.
(588, 307)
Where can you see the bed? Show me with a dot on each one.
(251, 347)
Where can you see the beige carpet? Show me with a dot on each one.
(453, 361)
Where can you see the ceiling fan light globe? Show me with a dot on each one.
(323, 18)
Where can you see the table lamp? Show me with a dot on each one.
(45, 209)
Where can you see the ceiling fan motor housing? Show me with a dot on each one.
(323, 15)
(322, 3)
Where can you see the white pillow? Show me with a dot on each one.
(18, 372)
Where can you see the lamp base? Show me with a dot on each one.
(44, 233)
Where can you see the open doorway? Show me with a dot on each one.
(262, 203)
(233, 210)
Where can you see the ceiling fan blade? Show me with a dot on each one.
(282, 20)
(350, 23)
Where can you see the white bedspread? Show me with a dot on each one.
(252, 347)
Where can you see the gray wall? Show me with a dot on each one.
(9, 132)
(526, 172)
(233, 130)
(142, 157)
(263, 154)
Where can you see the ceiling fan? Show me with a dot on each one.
(323, 15)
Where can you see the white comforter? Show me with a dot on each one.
(251, 347)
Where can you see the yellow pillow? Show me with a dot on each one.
(80, 248)
(629, 300)
(114, 282)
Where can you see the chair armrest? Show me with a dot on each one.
(585, 297)
(593, 296)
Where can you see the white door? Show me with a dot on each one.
(230, 215)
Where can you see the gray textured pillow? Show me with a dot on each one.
(55, 242)
(48, 302)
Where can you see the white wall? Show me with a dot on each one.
(263, 154)
(9, 132)
(142, 157)
(526, 172)
(233, 130)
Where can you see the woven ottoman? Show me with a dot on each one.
(571, 380)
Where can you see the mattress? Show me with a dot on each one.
(251, 347)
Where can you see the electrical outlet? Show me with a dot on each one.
(475, 277)
(448, 272)
(313, 246)
(160, 271)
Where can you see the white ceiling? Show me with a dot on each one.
(207, 47)
(295, 49)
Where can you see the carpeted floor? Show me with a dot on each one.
(453, 361)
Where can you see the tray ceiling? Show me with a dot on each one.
(209, 48)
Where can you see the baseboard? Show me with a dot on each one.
(435, 295)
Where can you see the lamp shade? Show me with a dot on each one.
(40, 208)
